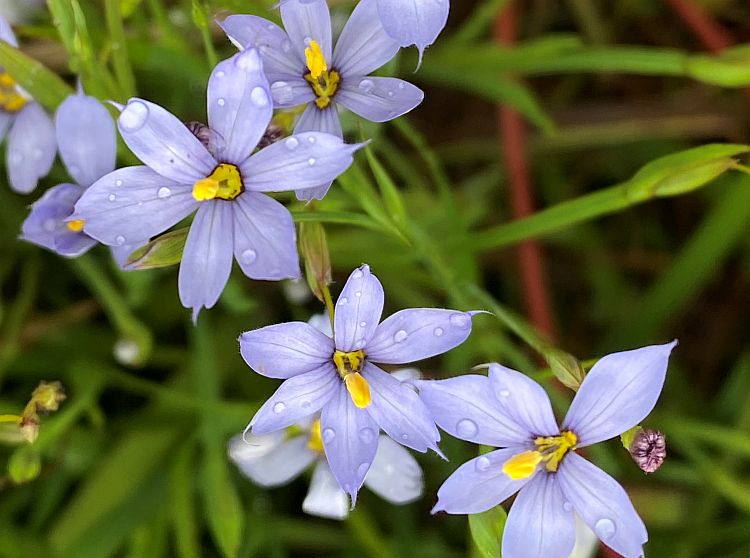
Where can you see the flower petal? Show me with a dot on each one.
(325, 497)
(163, 142)
(363, 45)
(280, 465)
(32, 147)
(466, 409)
(131, 205)
(265, 241)
(524, 400)
(6, 33)
(379, 99)
(247, 31)
(297, 398)
(306, 21)
(539, 525)
(239, 104)
(479, 484)
(358, 310)
(603, 505)
(418, 333)
(297, 162)
(407, 374)
(399, 412)
(207, 258)
(6, 120)
(286, 350)
(317, 120)
(290, 91)
(350, 438)
(395, 475)
(618, 392)
(86, 138)
(418, 22)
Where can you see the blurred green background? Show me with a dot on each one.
(635, 249)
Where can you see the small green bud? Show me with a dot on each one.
(565, 367)
(314, 249)
(24, 465)
(163, 251)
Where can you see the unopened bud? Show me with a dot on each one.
(47, 396)
(565, 367)
(29, 426)
(314, 248)
(648, 449)
(24, 465)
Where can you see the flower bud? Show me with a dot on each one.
(314, 248)
(648, 449)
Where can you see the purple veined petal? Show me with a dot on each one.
(618, 392)
(289, 91)
(363, 45)
(358, 310)
(286, 350)
(314, 119)
(524, 400)
(31, 148)
(479, 484)
(86, 138)
(350, 439)
(247, 31)
(305, 22)
(603, 505)
(265, 241)
(207, 258)
(163, 143)
(297, 162)
(239, 104)
(131, 205)
(418, 22)
(6, 33)
(466, 409)
(539, 524)
(297, 398)
(46, 221)
(379, 99)
(325, 497)
(280, 465)
(6, 120)
(73, 244)
(418, 333)
(395, 475)
(399, 411)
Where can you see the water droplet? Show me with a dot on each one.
(367, 85)
(362, 324)
(120, 240)
(343, 300)
(328, 435)
(221, 102)
(391, 93)
(461, 321)
(310, 139)
(118, 182)
(112, 197)
(357, 274)
(259, 97)
(270, 26)
(400, 335)
(282, 92)
(358, 294)
(483, 463)
(219, 74)
(307, 41)
(291, 143)
(286, 46)
(362, 469)
(279, 407)
(163, 193)
(248, 256)
(311, 161)
(401, 85)
(366, 435)
(466, 428)
(567, 506)
(248, 60)
(49, 225)
(438, 331)
(133, 116)
(503, 393)
(605, 528)
(404, 437)
(305, 404)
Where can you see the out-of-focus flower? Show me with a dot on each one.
(45, 398)
(19, 11)
(538, 459)
(88, 146)
(338, 375)
(224, 182)
(31, 134)
(304, 68)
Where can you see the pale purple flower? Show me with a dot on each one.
(338, 376)
(88, 145)
(225, 183)
(304, 68)
(31, 134)
(538, 459)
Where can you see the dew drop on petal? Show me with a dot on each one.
(311, 161)
(305, 404)
(605, 529)
(358, 294)
(404, 437)
(400, 336)
(259, 97)
(221, 102)
(567, 506)
(367, 85)
(401, 85)
(248, 256)
(343, 301)
(328, 435)
(466, 428)
(438, 331)
(248, 61)
(483, 463)
(163, 193)
(357, 274)
(279, 407)
(503, 392)
(282, 92)
(112, 197)
(133, 116)
(366, 435)
(120, 240)
(362, 324)
(311, 139)
(286, 46)
(118, 182)
(461, 321)
(219, 74)
(291, 143)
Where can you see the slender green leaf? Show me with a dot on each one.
(44, 86)
(487, 531)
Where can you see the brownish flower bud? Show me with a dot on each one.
(648, 449)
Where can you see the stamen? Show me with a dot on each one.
(10, 99)
(315, 60)
(522, 465)
(75, 226)
(224, 183)
(359, 389)
(554, 448)
(315, 442)
(348, 363)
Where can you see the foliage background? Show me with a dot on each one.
(134, 464)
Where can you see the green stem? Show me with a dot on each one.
(120, 59)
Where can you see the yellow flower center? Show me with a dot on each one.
(10, 99)
(75, 226)
(224, 183)
(348, 366)
(315, 441)
(550, 450)
(323, 82)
